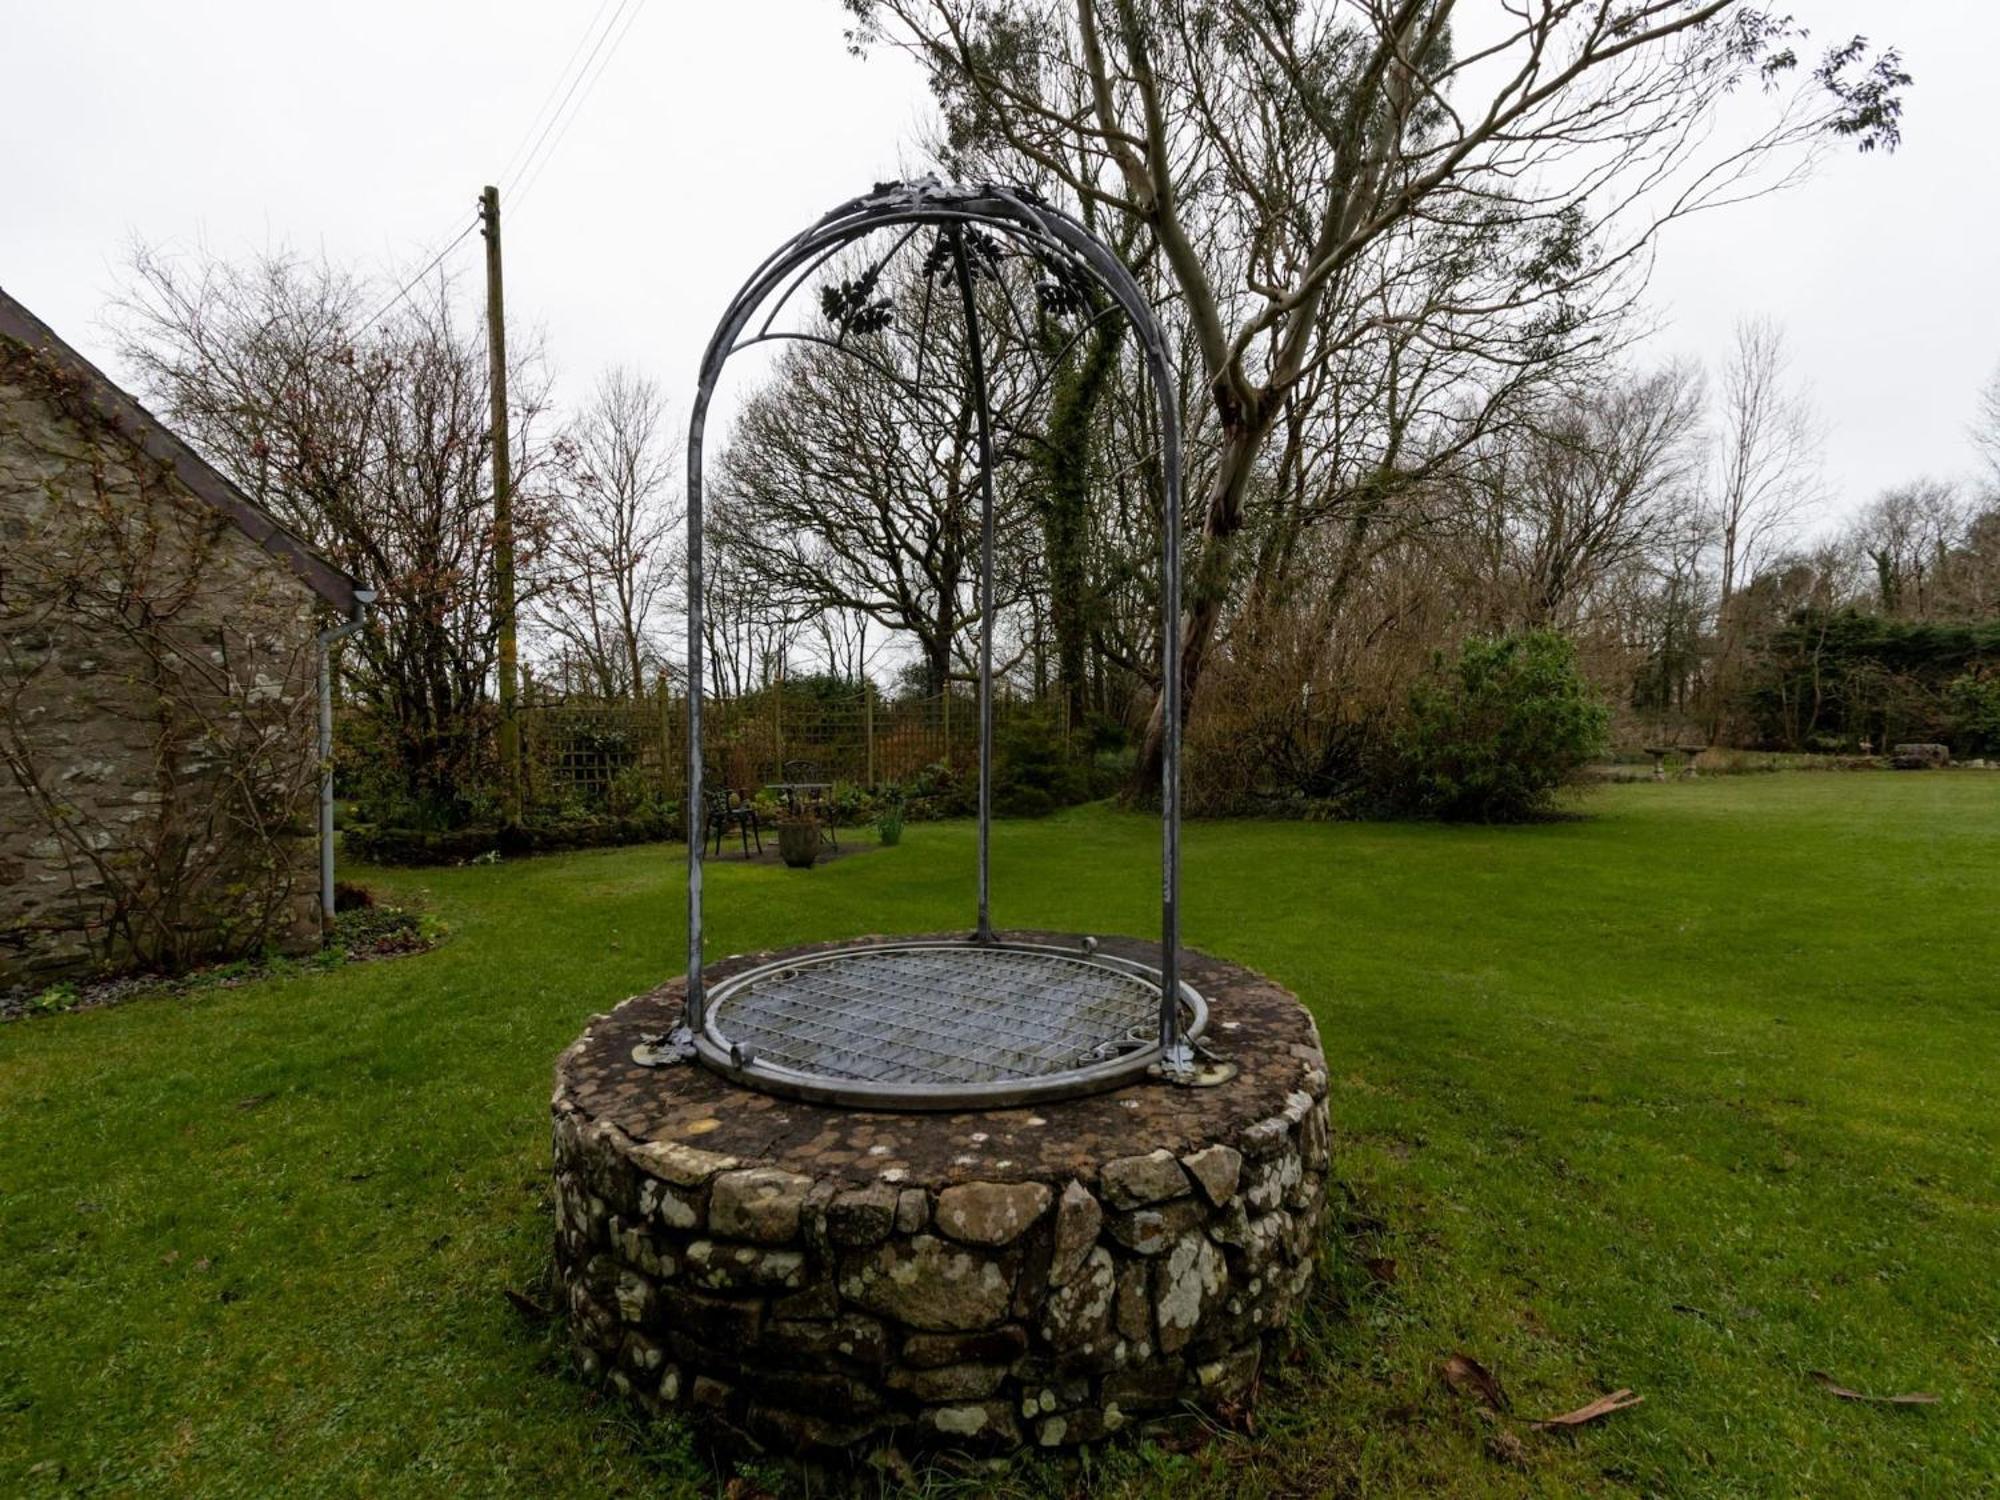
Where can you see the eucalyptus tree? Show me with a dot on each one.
(1318, 176)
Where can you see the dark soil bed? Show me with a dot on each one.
(362, 933)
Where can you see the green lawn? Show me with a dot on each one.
(1695, 1095)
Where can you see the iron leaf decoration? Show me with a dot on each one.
(852, 306)
(982, 253)
(1065, 291)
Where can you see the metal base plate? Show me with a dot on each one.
(939, 1025)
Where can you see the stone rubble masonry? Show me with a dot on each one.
(818, 1277)
(76, 705)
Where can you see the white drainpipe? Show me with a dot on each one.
(328, 639)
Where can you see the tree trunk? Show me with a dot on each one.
(1209, 588)
(1065, 507)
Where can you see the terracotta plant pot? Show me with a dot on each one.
(798, 842)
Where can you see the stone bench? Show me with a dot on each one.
(1920, 757)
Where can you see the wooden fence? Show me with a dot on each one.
(591, 753)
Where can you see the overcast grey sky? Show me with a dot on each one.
(712, 131)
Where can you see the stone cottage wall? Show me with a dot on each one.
(157, 708)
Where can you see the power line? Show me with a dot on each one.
(532, 170)
(529, 167)
(404, 291)
(532, 165)
(521, 192)
(515, 158)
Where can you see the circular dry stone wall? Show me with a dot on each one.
(818, 1277)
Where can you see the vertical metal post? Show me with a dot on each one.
(978, 361)
(692, 813)
(1177, 1058)
(328, 639)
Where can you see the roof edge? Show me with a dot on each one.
(146, 432)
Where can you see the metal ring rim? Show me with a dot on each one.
(713, 1047)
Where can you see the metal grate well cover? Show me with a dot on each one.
(939, 1016)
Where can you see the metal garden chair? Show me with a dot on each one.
(722, 814)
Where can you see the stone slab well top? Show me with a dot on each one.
(683, 1117)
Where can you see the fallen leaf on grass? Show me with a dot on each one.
(527, 1306)
(1603, 1406)
(1468, 1377)
(1380, 1268)
(1910, 1398)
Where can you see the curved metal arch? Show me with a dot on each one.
(1057, 238)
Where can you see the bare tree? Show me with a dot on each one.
(851, 479)
(1312, 175)
(1598, 484)
(1908, 536)
(840, 644)
(1768, 452)
(1670, 608)
(1766, 473)
(747, 635)
(612, 550)
(370, 440)
(1986, 427)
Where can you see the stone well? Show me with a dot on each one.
(817, 1276)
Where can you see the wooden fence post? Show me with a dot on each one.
(666, 739)
(868, 726)
(527, 733)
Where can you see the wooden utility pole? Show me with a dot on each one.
(503, 511)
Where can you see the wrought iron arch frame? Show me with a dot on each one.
(1059, 242)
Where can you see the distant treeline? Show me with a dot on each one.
(1829, 680)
